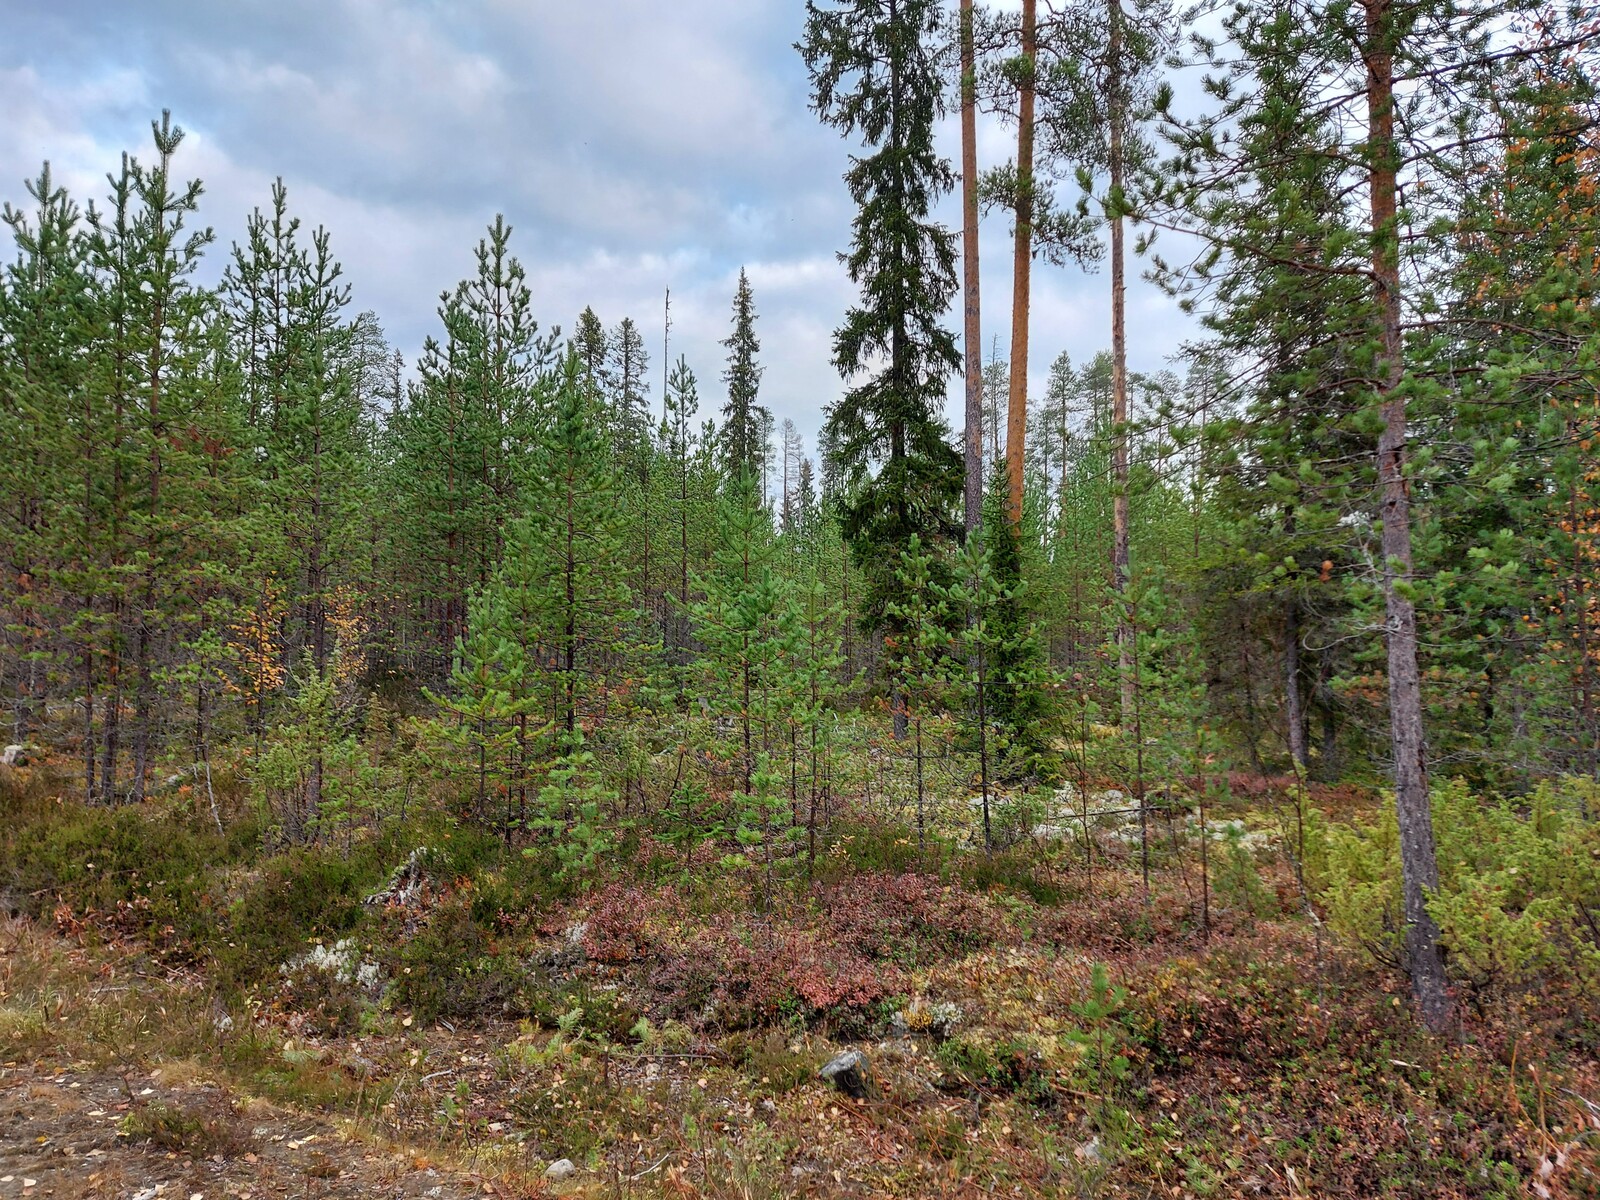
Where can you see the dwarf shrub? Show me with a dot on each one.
(1519, 884)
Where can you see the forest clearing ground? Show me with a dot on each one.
(1033, 1030)
(109, 1106)
(64, 1133)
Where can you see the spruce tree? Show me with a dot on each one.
(628, 366)
(876, 76)
(743, 446)
(592, 345)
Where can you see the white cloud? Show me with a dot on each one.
(634, 146)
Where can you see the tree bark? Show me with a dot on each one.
(1418, 860)
(972, 332)
(1294, 703)
(1021, 280)
(1120, 557)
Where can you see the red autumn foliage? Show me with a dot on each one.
(890, 916)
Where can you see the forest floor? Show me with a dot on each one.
(75, 1130)
(1030, 1029)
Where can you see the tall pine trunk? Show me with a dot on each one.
(1418, 861)
(1119, 372)
(1022, 270)
(971, 328)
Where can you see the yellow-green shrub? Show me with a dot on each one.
(1519, 883)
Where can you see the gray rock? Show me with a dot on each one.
(562, 1168)
(406, 882)
(14, 756)
(848, 1071)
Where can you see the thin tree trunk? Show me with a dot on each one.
(1120, 557)
(141, 700)
(28, 640)
(1418, 860)
(983, 752)
(111, 728)
(922, 817)
(569, 632)
(899, 708)
(1021, 279)
(1328, 750)
(87, 605)
(1294, 705)
(88, 725)
(1579, 629)
(142, 669)
(972, 332)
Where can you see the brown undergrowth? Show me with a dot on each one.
(1035, 1026)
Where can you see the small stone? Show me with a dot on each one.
(562, 1168)
(14, 756)
(848, 1072)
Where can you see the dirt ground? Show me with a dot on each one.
(69, 1131)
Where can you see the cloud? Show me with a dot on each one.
(635, 146)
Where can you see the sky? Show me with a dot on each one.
(633, 145)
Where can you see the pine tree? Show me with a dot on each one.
(489, 700)
(461, 442)
(580, 609)
(554, 623)
(747, 629)
(1098, 96)
(284, 302)
(1426, 72)
(1023, 205)
(154, 321)
(46, 319)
